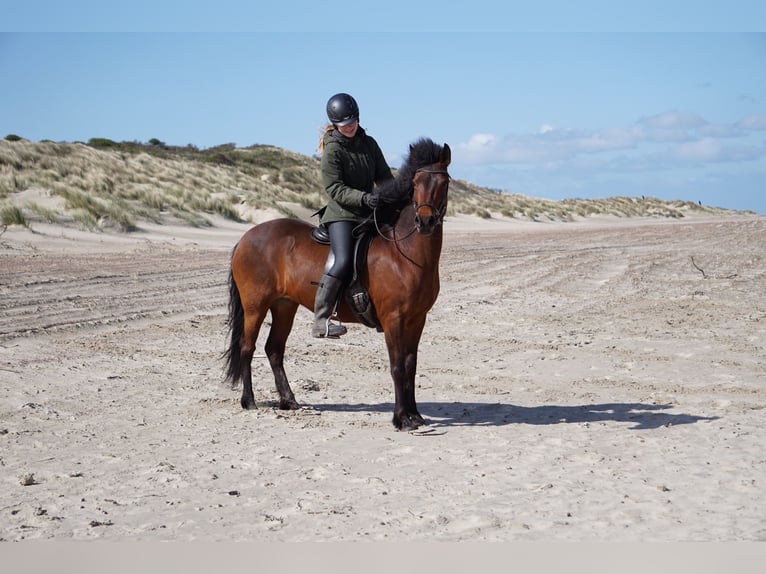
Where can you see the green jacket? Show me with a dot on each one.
(350, 168)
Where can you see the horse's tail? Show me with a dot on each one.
(236, 323)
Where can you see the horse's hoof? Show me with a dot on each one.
(248, 404)
(408, 422)
(288, 405)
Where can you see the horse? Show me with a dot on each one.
(276, 264)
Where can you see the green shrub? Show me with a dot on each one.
(192, 218)
(286, 211)
(310, 202)
(85, 219)
(12, 215)
(48, 215)
(102, 143)
(13, 138)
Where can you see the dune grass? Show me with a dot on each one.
(107, 184)
(12, 215)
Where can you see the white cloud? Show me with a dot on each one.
(654, 142)
(481, 141)
(671, 126)
(706, 149)
(720, 131)
(753, 123)
(544, 146)
(673, 121)
(479, 149)
(607, 140)
(674, 155)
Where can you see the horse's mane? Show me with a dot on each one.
(399, 190)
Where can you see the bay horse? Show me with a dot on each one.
(276, 264)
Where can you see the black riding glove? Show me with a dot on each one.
(371, 200)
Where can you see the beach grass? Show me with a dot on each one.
(103, 183)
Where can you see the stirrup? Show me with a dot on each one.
(329, 325)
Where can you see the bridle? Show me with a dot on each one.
(438, 212)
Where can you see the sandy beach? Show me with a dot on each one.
(602, 380)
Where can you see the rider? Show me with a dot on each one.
(351, 165)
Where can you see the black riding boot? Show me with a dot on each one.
(324, 305)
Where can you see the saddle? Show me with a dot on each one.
(356, 294)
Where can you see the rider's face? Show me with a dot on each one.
(350, 129)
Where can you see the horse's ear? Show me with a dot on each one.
(446, 155)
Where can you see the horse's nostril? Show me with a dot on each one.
(425, 223)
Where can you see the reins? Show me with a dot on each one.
(394, 239)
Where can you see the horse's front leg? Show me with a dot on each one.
(403, 356)
(406, 415)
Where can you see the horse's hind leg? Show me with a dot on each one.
(250, 332)
(282, 316)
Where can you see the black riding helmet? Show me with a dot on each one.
(342, 109)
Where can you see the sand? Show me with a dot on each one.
(596, 381)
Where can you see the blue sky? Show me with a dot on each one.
(661, 99)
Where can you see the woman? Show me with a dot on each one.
(351, 165)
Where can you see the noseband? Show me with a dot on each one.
(438, 212)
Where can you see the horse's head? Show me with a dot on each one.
(429, 195)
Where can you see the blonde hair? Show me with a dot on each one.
(324, 131)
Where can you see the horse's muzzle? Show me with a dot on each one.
(426, 224)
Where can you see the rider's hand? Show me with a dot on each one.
(371, 200)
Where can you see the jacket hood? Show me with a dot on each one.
(336, 136)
